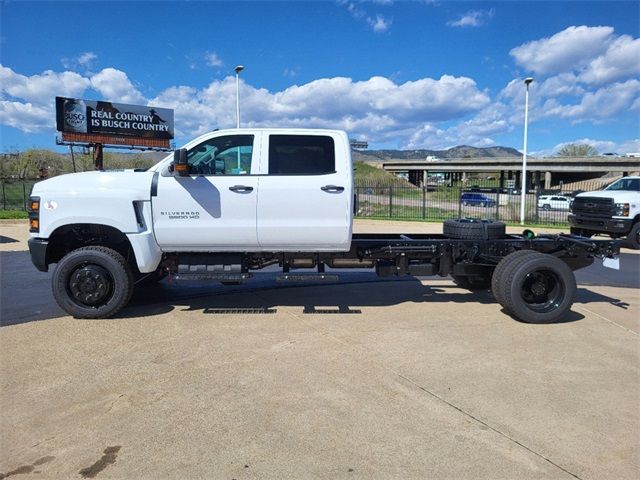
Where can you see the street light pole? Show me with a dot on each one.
(238, 69)
(523, 183)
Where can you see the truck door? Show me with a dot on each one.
(214, 208)
(305, 199)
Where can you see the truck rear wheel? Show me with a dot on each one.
(473, 229)
(536, 288)
(498, 272)
(92, 282)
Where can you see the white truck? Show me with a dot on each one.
(233, 202)
(614, 211)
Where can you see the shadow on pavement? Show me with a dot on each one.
(335, 298)
(4, 239)
(25, 293)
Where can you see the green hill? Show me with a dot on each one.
(367, 174)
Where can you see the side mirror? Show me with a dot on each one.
(180, 165)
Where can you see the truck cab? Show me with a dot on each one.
(614, 211)
(257, 190)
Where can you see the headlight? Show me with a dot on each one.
(622, 209)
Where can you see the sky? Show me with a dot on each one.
(398, 74)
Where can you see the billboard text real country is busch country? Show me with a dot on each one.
(106, 118)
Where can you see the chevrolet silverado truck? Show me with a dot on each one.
(232, 202)
(614, 211)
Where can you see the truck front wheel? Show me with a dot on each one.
(536, 288)
(633, 239)
(92, 282)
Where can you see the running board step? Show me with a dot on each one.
(307, 277)
(223, 277)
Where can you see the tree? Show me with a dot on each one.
(577, 150)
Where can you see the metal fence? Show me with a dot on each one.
(401, 200)
(482, 199)
(15, 193)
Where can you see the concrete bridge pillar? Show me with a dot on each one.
(547, 180)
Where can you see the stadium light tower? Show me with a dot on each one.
(238, 69)
(523, 183)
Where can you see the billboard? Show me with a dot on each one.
(116, 123)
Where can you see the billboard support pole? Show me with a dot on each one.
(73, 158)
(97, 156)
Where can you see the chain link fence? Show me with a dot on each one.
(15, 193)
(483, 199)
(401, 200)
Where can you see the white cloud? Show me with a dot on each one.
(565, 51)
(213, 60)
(86, 58)
(26, 116)
(601, 104)
(621, 59)
(376, 107)
(379, 24)
(83, 61)
(630, 146)
(43, 88)
(115, 86)
(602, 146)
(291, 72)
(473, 18)
(476, 132)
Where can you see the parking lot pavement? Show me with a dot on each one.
(365, 379)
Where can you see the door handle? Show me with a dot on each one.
(332, 189)
(241, 189)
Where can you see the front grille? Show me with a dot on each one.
(594, 206)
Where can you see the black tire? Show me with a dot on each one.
(473, 229)
(498, 272)
(546, 206)
(537, 288)
(633, 238)
(472, 282)
(92, 282)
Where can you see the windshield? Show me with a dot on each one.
(626, 184)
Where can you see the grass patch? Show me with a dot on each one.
(13, 214)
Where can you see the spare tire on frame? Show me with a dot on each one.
(473, 229)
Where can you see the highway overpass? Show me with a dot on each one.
(541, 169)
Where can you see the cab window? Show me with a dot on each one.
(229, 155)
(630, 184)
(301, 155)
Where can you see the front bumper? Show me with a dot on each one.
(38, 251)
(601, 224)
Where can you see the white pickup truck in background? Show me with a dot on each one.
(614, 211)
(233, 202)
